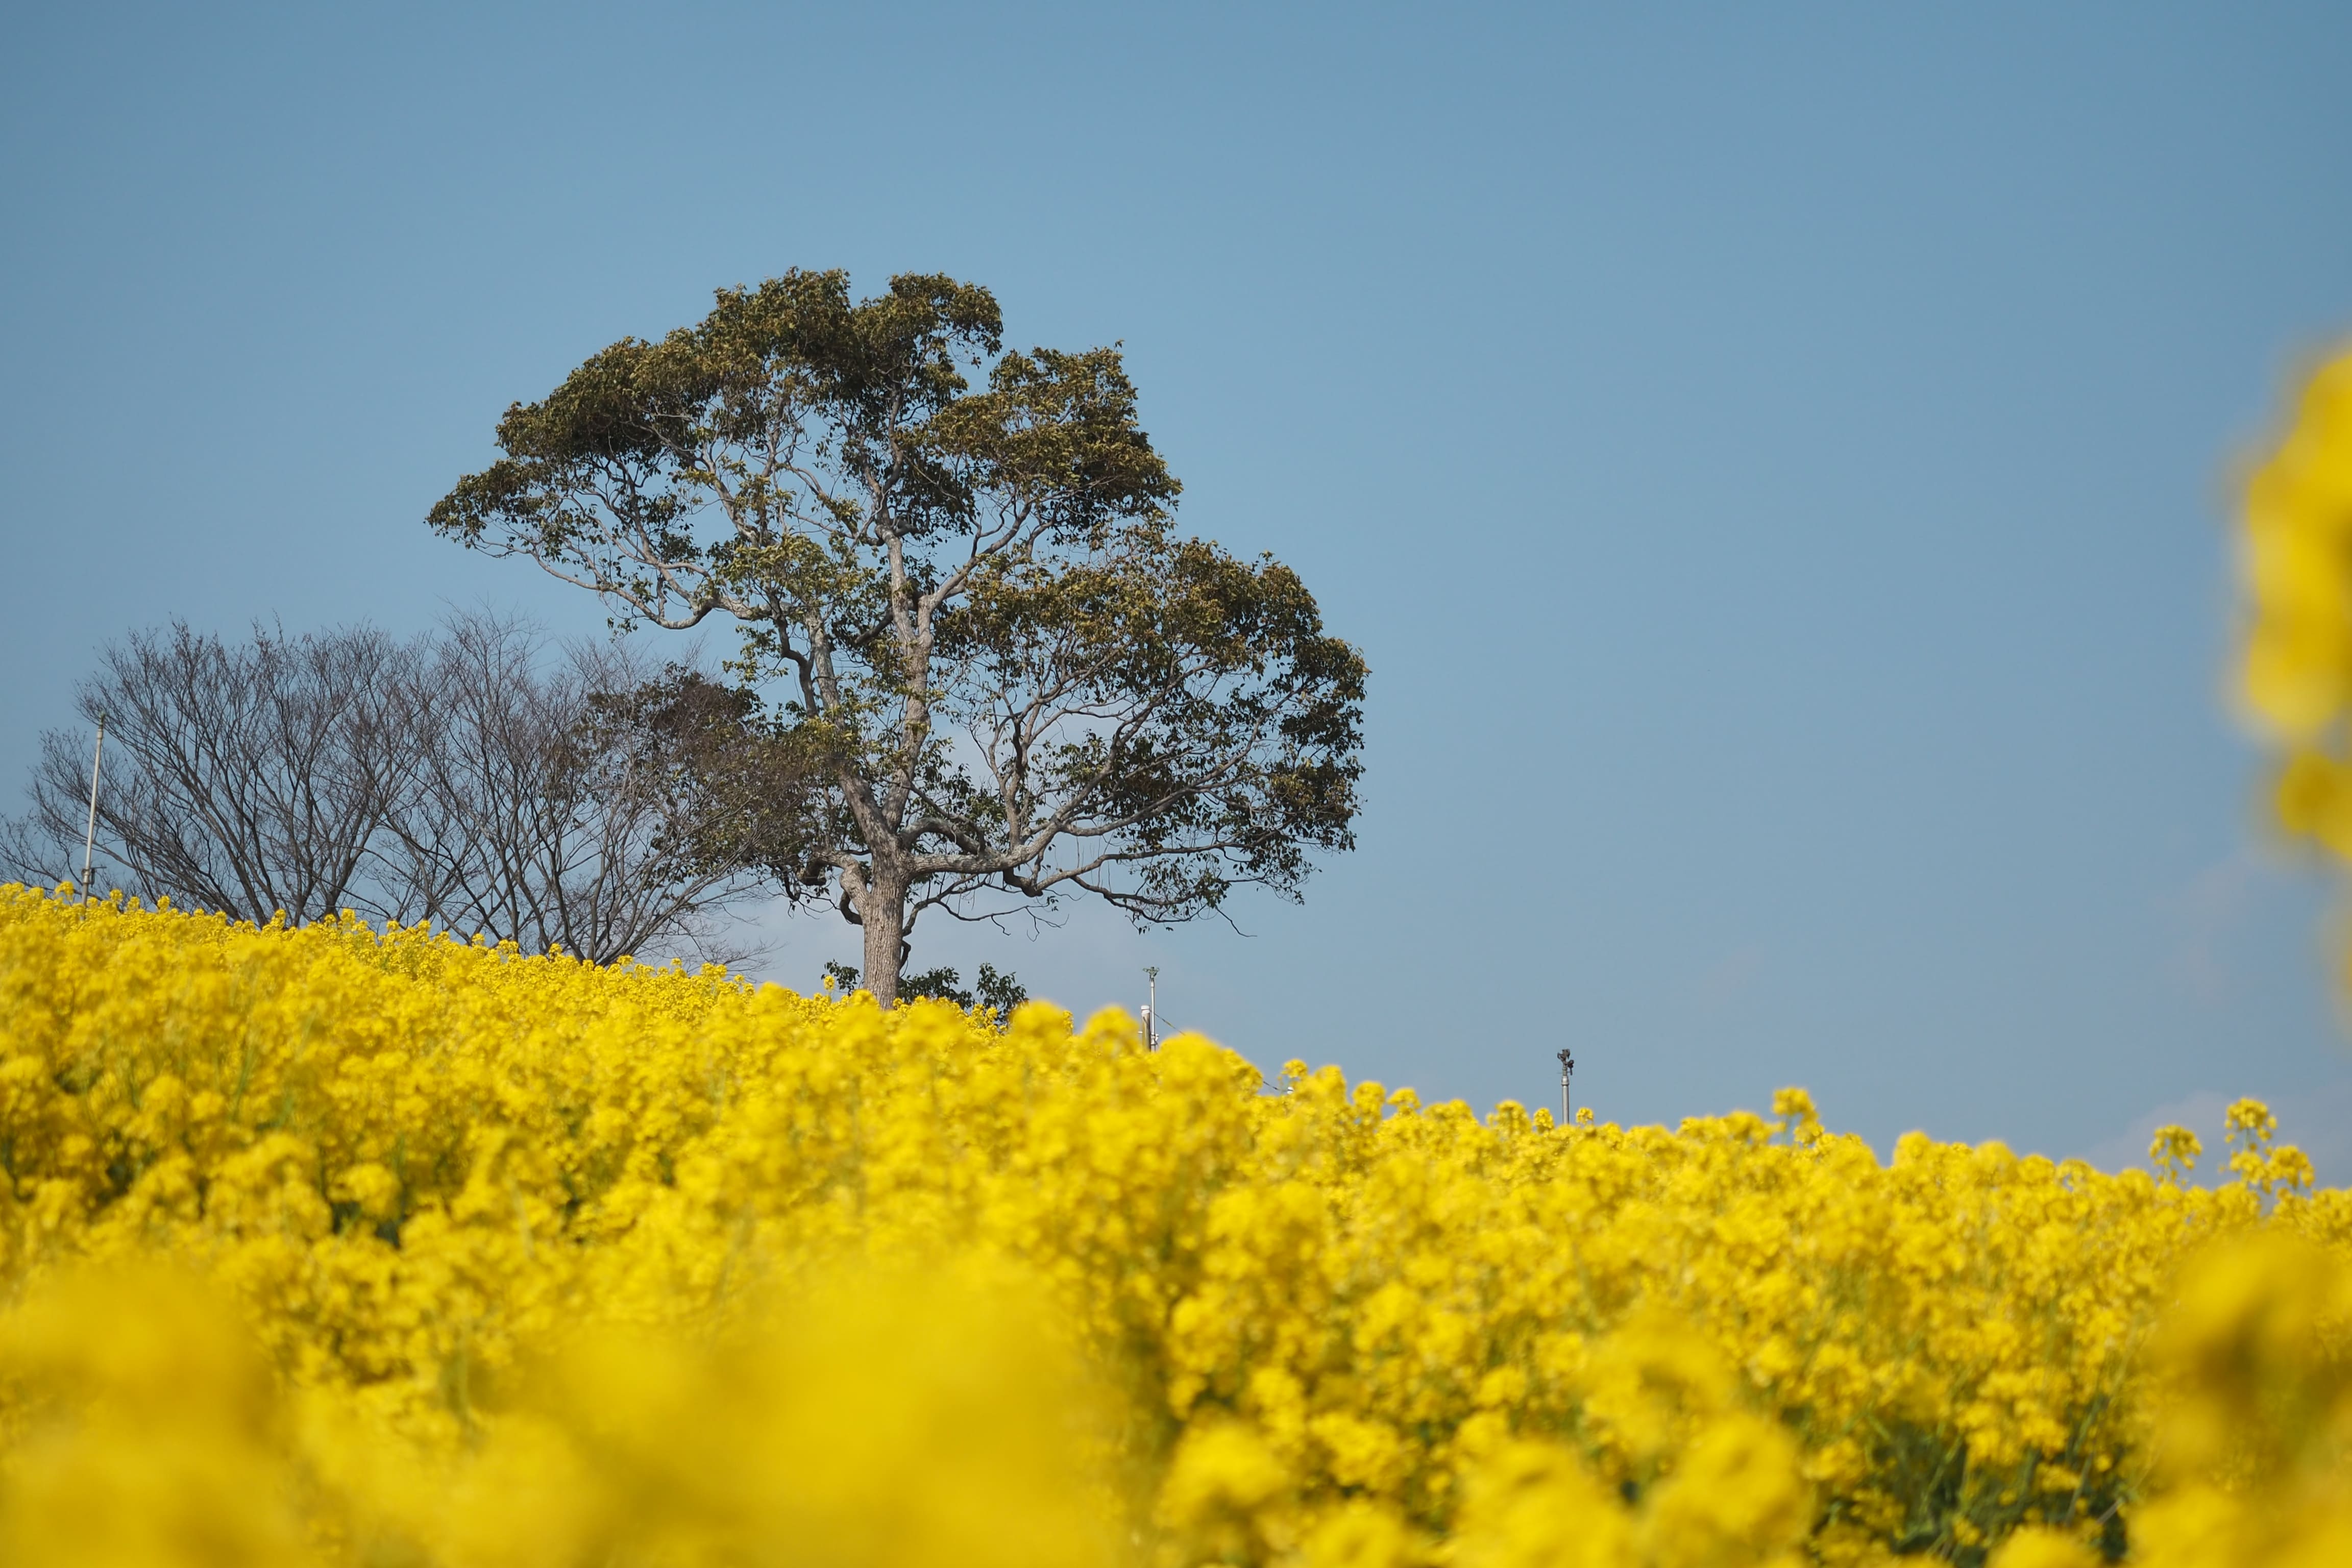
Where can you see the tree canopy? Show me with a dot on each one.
(993, 673)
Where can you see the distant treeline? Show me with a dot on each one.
(475, 776)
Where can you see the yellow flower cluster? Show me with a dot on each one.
(2296, 674)
(333, 1245)
(2256, 1363)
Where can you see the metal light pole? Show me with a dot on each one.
(90, 834)
(1567, 1066)
(1151, 1010)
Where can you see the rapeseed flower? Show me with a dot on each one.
(343, 1246)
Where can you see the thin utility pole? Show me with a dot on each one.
(1567, 1066)
(90, 834)
(1151, 1010)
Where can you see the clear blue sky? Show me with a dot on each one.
(1774, 458)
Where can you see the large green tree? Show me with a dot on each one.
(997, 677)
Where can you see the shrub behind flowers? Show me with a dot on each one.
(345, 1245)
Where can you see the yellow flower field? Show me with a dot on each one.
(346, 1247)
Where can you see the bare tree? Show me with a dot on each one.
(249, 778)
(466, 777)
(548, 810)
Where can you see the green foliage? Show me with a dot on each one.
(999, 991)
(937, 982)
(995, 989)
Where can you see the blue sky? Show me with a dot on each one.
(1775, 460)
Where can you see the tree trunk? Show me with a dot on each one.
(883, 911)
